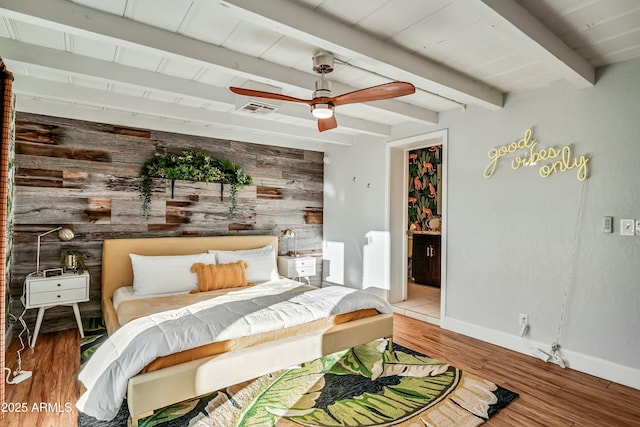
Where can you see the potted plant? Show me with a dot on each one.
(191, 166)
(73, 260)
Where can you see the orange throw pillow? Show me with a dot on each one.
(220, 276)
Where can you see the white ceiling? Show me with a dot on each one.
(168, 64)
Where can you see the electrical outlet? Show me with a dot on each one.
(523, 319)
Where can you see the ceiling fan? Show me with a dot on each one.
(323, 103)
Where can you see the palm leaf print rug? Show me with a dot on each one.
(368, 385)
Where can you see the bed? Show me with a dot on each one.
(198, 371)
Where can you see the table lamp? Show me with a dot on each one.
(64, 235)
(288, 234)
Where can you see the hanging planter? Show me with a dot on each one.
(191, 166)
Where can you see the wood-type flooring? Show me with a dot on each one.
(549, 395)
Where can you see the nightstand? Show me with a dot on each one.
(47, 292)
(297, 267)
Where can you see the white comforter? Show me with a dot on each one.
(262, 308)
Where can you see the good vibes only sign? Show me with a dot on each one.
(548, 160)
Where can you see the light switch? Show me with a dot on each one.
(607, 224)
(627, 227)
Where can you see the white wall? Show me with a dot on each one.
(355, 203)
(511, 238)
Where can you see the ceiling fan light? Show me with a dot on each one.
(322, 111)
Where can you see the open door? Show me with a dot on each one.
(418, 225)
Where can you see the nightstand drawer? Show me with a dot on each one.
(51, 284)
(50, 291)
(295, 267)
(304, 262)
(58, 297)
(304, 272)
(47, 292)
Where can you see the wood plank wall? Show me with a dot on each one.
(85, 175)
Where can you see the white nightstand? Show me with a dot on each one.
(297, 267)
(46, 292)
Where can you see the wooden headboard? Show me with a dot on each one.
(116, 264)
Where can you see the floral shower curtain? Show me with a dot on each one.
(7, 120)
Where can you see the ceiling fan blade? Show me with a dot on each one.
(269, 95)
(375, 93)
(327, 124)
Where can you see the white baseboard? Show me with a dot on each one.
(577, 361)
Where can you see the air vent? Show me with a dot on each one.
(257, 107)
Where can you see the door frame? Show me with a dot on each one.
(398, 222)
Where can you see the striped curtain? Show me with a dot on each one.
(7, 120)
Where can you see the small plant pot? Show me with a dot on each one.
(71, 263)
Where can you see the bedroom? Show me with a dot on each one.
(510, 238)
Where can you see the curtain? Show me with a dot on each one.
(7, 120)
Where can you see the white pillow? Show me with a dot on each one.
(165, 274)
(262, 250)
(261, 262)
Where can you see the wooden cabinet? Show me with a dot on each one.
(425, 261)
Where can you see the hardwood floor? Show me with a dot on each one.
(50, 395)
(549, 395)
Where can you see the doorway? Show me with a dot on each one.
(414, 219)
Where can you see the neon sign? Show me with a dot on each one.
(562, 159)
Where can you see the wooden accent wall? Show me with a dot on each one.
(85, 175)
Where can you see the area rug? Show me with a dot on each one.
(368, 385)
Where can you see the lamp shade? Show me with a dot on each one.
(288, 233)
(65, 234)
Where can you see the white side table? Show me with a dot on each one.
(46, 292)
(297, 267)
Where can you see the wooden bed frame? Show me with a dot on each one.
(157, 389)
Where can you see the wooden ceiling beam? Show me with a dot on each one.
(303, 23)
(157, 82)
(83, 21)
(519, 26)
(70, 93)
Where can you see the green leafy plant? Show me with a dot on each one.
(191, 166)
